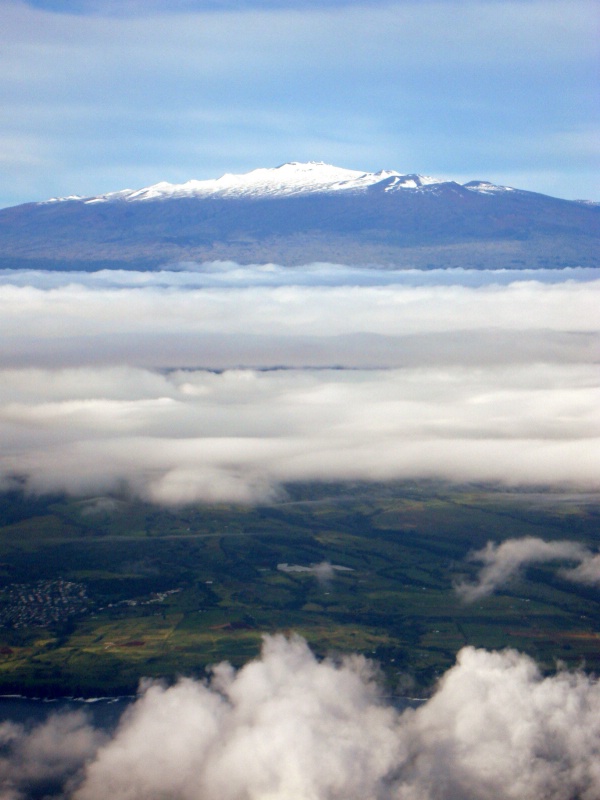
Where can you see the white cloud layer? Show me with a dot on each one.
(287, 726)
(228, 274)
(197, 435)
(169, 321)
(101, 385)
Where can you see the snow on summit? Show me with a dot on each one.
(293, 178)
(288, 179)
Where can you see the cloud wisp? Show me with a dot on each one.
(288, 725)
(503, 562)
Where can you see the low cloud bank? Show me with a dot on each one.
(100, 385)
(214, 274)
(505, 561)
(167, 325)
(286, 725)
(186, 436)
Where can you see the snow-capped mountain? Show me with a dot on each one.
(302, 212)
(288, 180)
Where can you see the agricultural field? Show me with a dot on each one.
(97, 593)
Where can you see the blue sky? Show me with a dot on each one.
(98, 95)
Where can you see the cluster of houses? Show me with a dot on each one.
(41, 604)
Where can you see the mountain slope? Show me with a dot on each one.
(299, 213)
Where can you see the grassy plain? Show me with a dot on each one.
(170, 591)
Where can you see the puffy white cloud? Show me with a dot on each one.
(284, 726)
(502, 562)
(496, 730)
(40, 761)
(287, 725)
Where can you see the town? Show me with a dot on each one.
(42, 604)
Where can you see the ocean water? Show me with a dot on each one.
(103, 712)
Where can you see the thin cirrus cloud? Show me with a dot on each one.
(287, 725)
(99, 100)
(229, 392)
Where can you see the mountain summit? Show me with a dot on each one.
(302, 212)
(291, 179)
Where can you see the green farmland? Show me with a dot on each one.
(96, 593)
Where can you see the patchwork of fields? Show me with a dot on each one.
(137, 590)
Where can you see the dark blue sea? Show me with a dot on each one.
(104, 712)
